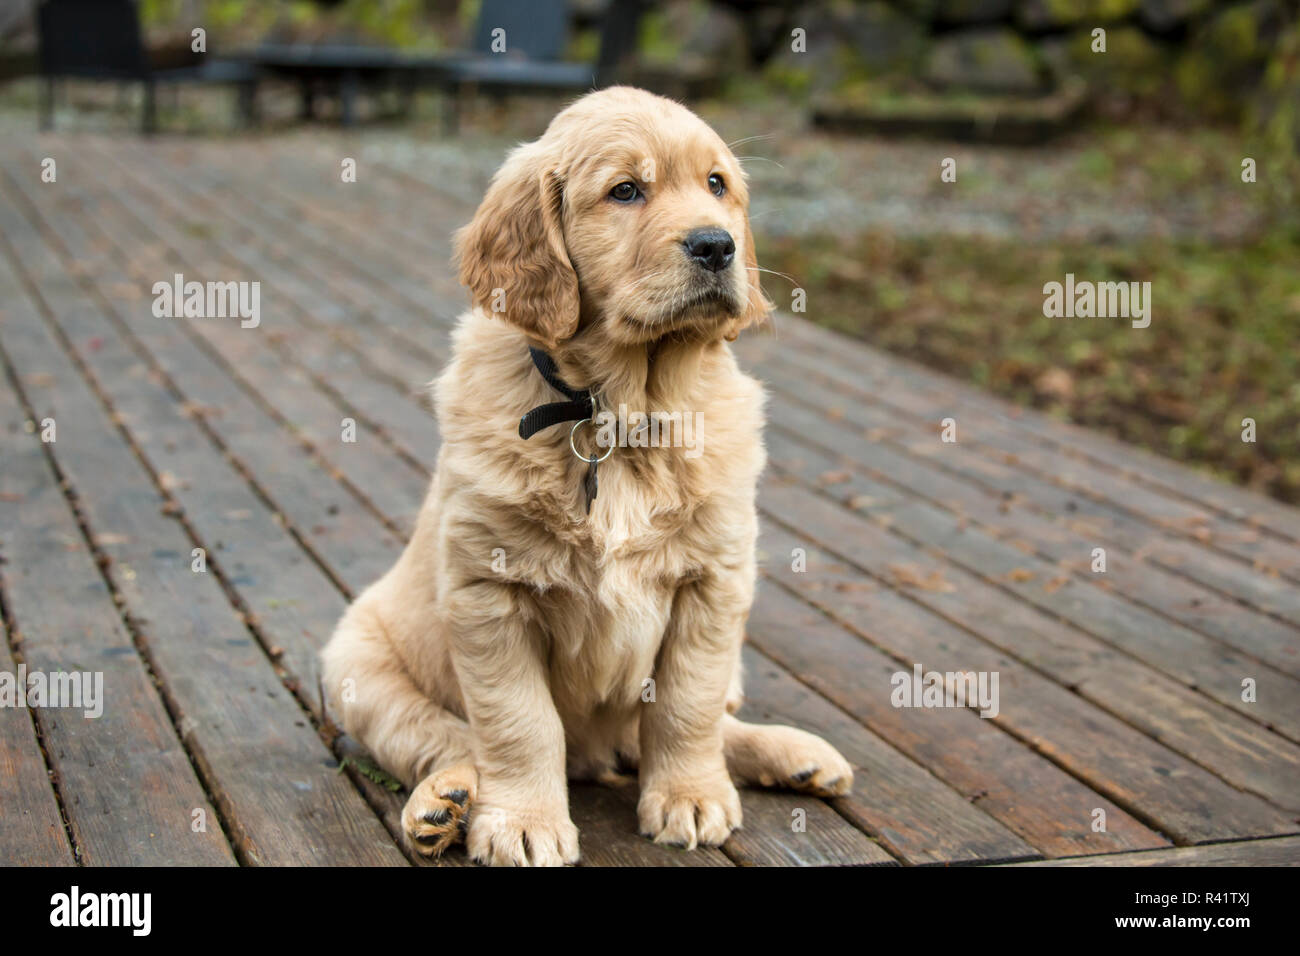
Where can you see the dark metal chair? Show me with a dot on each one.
(101, 39)
(535, 34)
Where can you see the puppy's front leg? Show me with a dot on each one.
(687, 797)
(521, 816)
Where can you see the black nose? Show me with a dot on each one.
(712, 248)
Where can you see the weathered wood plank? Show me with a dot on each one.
(404, 339)
(1236, 747)
(781, 829)
(1182, 524)
(828, 839)
(389, 275)
(1284, 851)
(336, 341)
(607, 832)
(33, 833)
(999, 509)
(342, 268)
(255, 360)
(332, 521)
(1031, 796)
(854, 361)
(1148, 779)
(277, 580)
(916, 817)
(291, 807)
(129, 790)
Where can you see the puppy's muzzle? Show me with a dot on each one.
(711, 249)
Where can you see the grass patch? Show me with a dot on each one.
(371, 772)
(1222, 344)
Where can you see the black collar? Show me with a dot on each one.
(580, 404)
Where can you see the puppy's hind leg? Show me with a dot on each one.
(769, 755)
(426, 747)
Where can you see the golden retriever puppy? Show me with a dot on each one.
(528, 635)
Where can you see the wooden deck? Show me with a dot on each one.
(1120, 691)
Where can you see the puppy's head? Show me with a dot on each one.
(628, 217)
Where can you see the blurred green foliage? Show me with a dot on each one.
(406, 24)
(1224, 339)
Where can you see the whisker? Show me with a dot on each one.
(743, 159)
(653, 275)
(750, 139)
(787, 278)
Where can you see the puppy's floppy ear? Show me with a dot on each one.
(757, 307)
(512, 256)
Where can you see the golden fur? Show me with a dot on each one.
(520, 642)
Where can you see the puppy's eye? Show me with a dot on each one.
(716, 185)
(624, 192)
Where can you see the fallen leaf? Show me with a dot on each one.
(908, 575)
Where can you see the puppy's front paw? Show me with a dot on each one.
(691, 814)
(502, 837)
(434, 816)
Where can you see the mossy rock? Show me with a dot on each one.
(1133, 65)
(846, 44)
(970, 12)
(880, 40)
(994, 61)
(1225, 60)
(1165, 16)
(1054, 14)
(963, 115)
(1273, 122)
(695, 30)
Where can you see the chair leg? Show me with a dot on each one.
(348, 89)
(450, 110)
(247, 96)
(149, 119)
(47, 104)
(307, 91)
(406, 96)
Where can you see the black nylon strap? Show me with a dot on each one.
(579, 406)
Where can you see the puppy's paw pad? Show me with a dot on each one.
(687, 818)
(499, 837)
(833, 781)
(434, 817)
